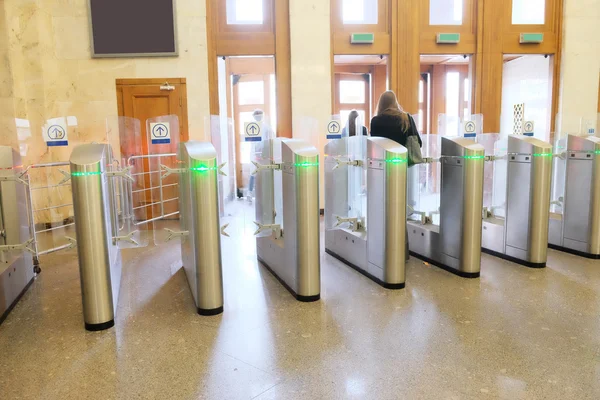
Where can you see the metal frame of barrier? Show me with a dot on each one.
(522, 235)
(291, 252)
(30, 189)
(16, 261)
(454, 245)
(577, 229)
(378, 250)
(130, 192)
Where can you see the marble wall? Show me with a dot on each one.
(50, 73)
(580, 69)
(310, 38)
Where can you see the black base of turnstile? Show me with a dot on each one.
(468, 275)
(391, 286)
(514, 259)
(304, 299)
(575, 252)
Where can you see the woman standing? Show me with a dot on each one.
(393, 123)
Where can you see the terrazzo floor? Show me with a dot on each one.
(515, 333)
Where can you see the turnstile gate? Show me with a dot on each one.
(454, 244)
(516, 228)
(287, 212)
(16, 243)
(575, 222)
(365, 207)
(99, 255)
(199, 223)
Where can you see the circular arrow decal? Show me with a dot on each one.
(56, 132)
(160, 131)
(253, 129)
(333, 127)
(528, 126)
(470, 127)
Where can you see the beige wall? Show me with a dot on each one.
(580, 69)
(310, 38)
(52, 73)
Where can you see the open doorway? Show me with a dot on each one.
(527, 94)
(247, 85)
(445, 93)
(359, 82)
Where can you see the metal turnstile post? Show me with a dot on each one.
(16, 244)
(455, 245)
(99, 256)
(377, 248)
(577, 229)
(199, 205)
(522, 235)
(292, 251)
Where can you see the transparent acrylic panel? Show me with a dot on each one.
(448, 125)
(360, 12)
(354, 123)
(446, 12)
(265, 210)
(559, 173)
(528, 12)
(336, 183)
(357, 179)
(127, 183)
(49, 173)
(244, 12)
(489, 142)
(162, 169)
(424, 182)
(222, 138)
(500, 178)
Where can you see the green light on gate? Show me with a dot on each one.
(396, 161)
(474, 157)
(202, 168)
(543, 155)
(597, 152)
(306, 164)
(85, 173)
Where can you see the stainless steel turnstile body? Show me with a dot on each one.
(16, 266)
(376, 248)
(577, 229)
(521, 236)
(455, 245)
(292, 251)
(99, 255)
(199, 219)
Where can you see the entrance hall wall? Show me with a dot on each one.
(53, 74)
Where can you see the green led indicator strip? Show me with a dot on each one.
(85, 173)
(543, 155)
(396, 161)
(202, 169)
(306, 164)
(474, 157)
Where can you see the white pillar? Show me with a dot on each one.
(580, 64)
(310, 42)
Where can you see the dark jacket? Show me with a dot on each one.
(390, 126)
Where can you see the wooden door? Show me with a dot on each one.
(144, 99)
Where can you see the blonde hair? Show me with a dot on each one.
(388, 105)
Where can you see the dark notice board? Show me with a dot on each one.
(130, 28)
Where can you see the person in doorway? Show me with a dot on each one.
(393, 123)
(352, 125)
(258, 115)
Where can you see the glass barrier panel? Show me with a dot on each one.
(357, 179)
(424, 182)
(264, 158)
(488, 141)
(336, 183)
(559, 172)
(500, 178)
